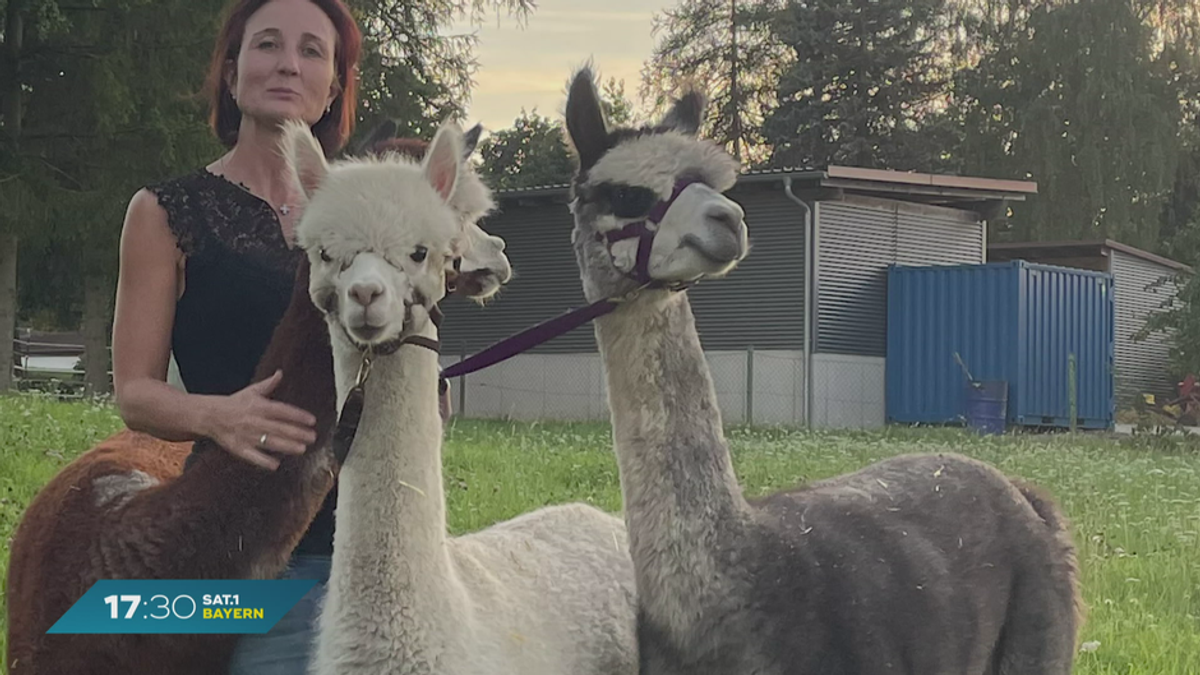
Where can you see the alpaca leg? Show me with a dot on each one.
(1046, 611)
(1039, 635)
(287, 648)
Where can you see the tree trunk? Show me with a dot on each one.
(735, 103)
(12, 100)
(8, 307)
(97, 300)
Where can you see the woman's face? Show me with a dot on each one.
(285, 69)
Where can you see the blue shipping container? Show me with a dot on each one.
(1016, 322)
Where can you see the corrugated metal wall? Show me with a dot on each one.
(935, 312)
(1141, 366)
(545, 283)
(1018, 322)
(1064, 311)
(856, 241)
(761, 303)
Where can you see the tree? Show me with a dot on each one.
(414, 70)
(1086, 100)
(860, 86)
(11, 187)
(19, 181)
(102, 124)
(534, 150)
(618, 109)
(726, 49)
(531, 152)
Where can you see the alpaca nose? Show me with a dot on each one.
(366, 293)
(727, 214)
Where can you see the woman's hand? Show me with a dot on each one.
(248, 425)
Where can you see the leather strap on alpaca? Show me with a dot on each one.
(548, 330)
(644, 233)
(347, 426)
(529, 338)
(536, 335)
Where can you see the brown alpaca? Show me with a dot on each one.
(126, 510)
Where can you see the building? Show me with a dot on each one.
(761, 337)
(1142, 283)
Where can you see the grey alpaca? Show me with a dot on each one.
(931, 564)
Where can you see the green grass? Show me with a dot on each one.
(1135, 503)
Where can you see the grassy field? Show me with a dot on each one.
(1135, 503)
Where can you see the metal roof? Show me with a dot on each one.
(928, 188)
(1094, 247)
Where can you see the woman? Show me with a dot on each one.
(208, 260)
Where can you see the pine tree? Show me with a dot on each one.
(725, 48)
(1081, 99)
(861, 86)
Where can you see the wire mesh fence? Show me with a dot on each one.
(754, 387)
(54, 368)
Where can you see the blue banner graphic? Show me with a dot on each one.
(180, 606)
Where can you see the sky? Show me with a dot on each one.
(528, 66)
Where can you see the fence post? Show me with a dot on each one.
(749, 385)
(1072, 393)
(19, 364)
(462, 383)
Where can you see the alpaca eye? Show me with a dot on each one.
(325, 256)
(419, 254)
(631, 202)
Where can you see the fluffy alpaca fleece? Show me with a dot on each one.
(481, 274)
(547, 592)
(918, 565)
(125, 509)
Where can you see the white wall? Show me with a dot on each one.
(849, 390)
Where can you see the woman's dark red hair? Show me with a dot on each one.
(332, 130)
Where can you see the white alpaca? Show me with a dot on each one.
(548, 592)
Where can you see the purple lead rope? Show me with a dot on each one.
(529, 338)
(568, 321)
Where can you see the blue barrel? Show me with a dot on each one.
(987, 406)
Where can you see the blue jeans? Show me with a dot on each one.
(286, 648)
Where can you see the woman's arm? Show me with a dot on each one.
(149, 283)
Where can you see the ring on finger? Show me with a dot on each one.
(262, 440)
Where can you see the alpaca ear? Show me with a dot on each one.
(687, 113)
(442, 160)
(304, 157)
(471, 139)
(585, 120)
(385, 130)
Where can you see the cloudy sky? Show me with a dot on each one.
(529, 66)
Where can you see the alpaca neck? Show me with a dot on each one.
(678, 483)
(254, 528)
(391, 512)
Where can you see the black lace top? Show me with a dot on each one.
(237, 279)
(237, 284)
